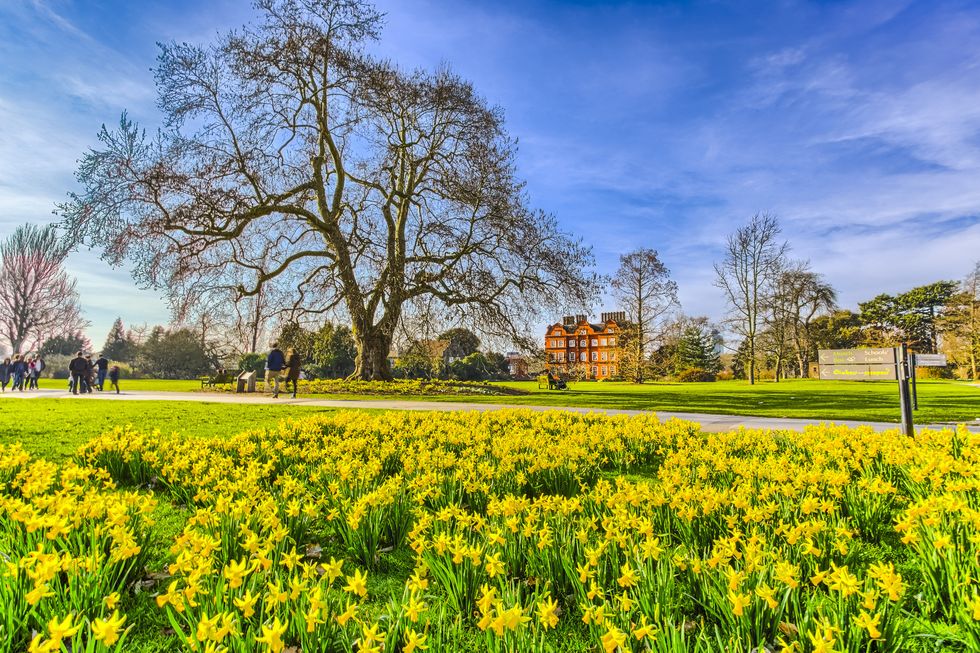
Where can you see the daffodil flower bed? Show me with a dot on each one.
(397, 388)
(524, 530)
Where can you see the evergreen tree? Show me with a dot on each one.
(698, 347)
(65, 345)
(119, 346)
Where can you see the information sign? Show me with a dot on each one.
(859, 372)
(929, 360)
(883, 364)
(881, 356)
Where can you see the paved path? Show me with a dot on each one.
(710, 423)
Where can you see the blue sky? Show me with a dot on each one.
(658, 124)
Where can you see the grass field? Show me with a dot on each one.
(939, 401)
(55, 428)
(147, 385)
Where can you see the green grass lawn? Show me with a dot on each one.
(55, 428)
(148, 385)
(939, 401)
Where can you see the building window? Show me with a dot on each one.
(612, 342)
(595, 356)
(581, 343)
(604, 356)
(602, 342)
(571, 356)
(604, 371)
(595, 343)
(612, 356)
(612, 370)
(595, 370)
(561, 343)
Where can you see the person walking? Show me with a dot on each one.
(18, 372)
(5, 374)
(102, 368)
(293, 363)
(274, 364)
(114, 377)
(89, 374)
(77, 369)
(37, 366)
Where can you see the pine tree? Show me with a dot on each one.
(698, 348)
(119, 346)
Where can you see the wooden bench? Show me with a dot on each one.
(211, 381)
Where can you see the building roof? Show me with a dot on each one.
(571, 329)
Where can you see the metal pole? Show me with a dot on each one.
(915, 393)
(905, 397)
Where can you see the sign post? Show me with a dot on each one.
(915, 393)
(902, 360)
(887, 363)
(923, 360)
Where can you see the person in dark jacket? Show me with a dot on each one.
(102, 368)
(89, 374)
(4, 374)
(18, 371)
(114, 377)
(275, 362)
(293, 363)
(77, 369)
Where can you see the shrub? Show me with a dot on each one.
(696, 375)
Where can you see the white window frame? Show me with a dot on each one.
(595, 357)
(595, 342)
(602, 342)
(582, 342)
(603, 356)
(605, 371)
(595, 371)
(571, 356)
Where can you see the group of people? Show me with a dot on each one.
(84, 374)
(22, 371)
(278, 365)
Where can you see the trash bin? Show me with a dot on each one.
(246, 382)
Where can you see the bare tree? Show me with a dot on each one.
(643, 287)
(753, 258)
(810, 296)
(798, 295)
(960, 324)
(38, 299)
(365, 186)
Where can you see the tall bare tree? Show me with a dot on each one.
(38, 299)
(367, 187)
(960, 324)
(645, 291)
(753, 257)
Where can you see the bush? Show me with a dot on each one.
(696, 375)
(419, 388)
(725, 375)
(252, 363)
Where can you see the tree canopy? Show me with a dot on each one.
(292, 159)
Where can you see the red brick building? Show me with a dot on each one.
(577, 347)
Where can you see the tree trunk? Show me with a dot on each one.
(371, 363)
(751, 363)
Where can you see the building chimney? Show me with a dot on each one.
(568, 320)
(579, 318)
